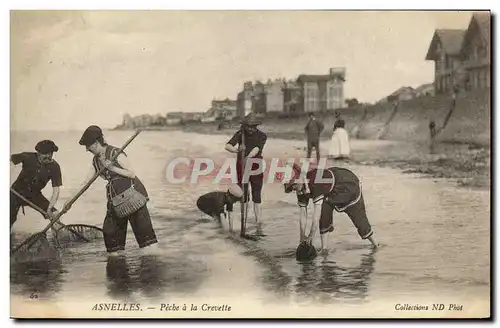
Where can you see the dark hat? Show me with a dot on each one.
(91, 134)
(46, 147)
(288, 186)
(251, 120)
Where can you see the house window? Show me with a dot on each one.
(333, 95)
(311, 96)
(449, 63)
(475, 53)
(484, 78)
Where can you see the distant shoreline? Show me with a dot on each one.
(467, 164)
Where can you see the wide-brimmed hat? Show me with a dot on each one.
(91, 134)
(46, 147)
(251, 120)
(236, 191)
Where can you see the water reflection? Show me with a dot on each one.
(145, 274)
(118, 275)
(40, 279)
(151, 276)
(330, 280)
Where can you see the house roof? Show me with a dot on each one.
(451, 40)
(481, 20)
(403, 89)
(424, 87)
(317, 78)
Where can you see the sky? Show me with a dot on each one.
(70, 69)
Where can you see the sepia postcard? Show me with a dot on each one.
(250, 164)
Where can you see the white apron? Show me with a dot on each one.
(339, 144)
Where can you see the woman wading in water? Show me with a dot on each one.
(126, 195)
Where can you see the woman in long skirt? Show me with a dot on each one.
(339, 144)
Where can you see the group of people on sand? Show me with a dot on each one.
(339, 148)
(342, 192)
(127, 197)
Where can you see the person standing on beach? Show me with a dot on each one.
(38, 169)
(313, 131)
(339, 144)
(435, 130)
(126, 195)
(255, 141)
(332, 189)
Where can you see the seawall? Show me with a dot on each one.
(469, 122)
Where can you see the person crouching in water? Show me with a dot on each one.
(126, 195)
(330, 189)
(216, 203)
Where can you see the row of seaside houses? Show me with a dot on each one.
(306, 93)
(462, 62)
(462, 56)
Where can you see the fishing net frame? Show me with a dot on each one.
(33, 238)
(75, 230)
(72, 228)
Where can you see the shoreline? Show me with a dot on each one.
(469, 165)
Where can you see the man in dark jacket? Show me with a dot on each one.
(38, 169)
(313, 131)
(253, 146)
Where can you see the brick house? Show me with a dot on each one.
(475, 52)
(225, 109)
(462, 57)
(259, 98)
(244, 100)
(274, 96)
(444, 50)
(401, 94)
(322, 92)
(292, 96)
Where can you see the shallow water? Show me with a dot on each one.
(435, 237)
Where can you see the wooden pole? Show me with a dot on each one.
(243, 201)
(32, 241)
(44, 212)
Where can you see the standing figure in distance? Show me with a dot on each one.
(313, 131)
(339, 145)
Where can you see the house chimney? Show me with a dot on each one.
(339, 71)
